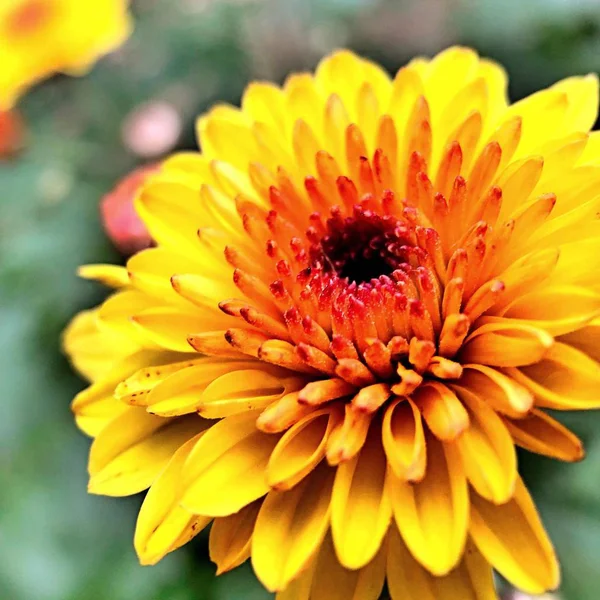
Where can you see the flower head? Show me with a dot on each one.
(364, 293)
(41, 37)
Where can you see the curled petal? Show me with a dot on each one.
(404, 440)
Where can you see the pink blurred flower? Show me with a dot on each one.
(12, 133)
(121, 223)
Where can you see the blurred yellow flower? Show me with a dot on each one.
(42, 37)
(365, 292)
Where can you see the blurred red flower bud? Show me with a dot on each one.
(12, 133)
(121, 223)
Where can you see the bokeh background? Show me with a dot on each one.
(58, 543)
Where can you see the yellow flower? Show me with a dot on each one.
(41, 37)
(364, 293)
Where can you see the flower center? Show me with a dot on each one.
(363, 246)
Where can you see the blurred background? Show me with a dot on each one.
(79, 136)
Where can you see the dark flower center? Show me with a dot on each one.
(363, 246)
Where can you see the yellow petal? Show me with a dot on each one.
(150, 271)
(487, 450)
(340, 73)
(446, 74)
(582, 93)
(264, 102)
(471, 580)
(502, 393)
(513, 540)
(517, 182)
(585, 339)
(132, 450)
(538, 432)
(331, 581)
(161, 521)
(544, 118)
(110, 275)
(304, 101)
(227, 139)
(572, 225)
(170, 327)
(557, 309)
(290, 528)
(96, 414)
(301, 448)
(246, 389)
(181, 391)
(406, 88)
(299, 589)
(442, 410)
(135, 389)
(408, 580)
(115, 314)
(93, 350)
(432, 515)
(226, 469)
(404, 440)
(578, 263)
(360, 508)
(566, 379)
(95, 406)
(506, 343)
(347, 439)
(230, 538)
(171, 212)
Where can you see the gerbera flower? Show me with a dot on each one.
(41, 37)
(365, 293)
